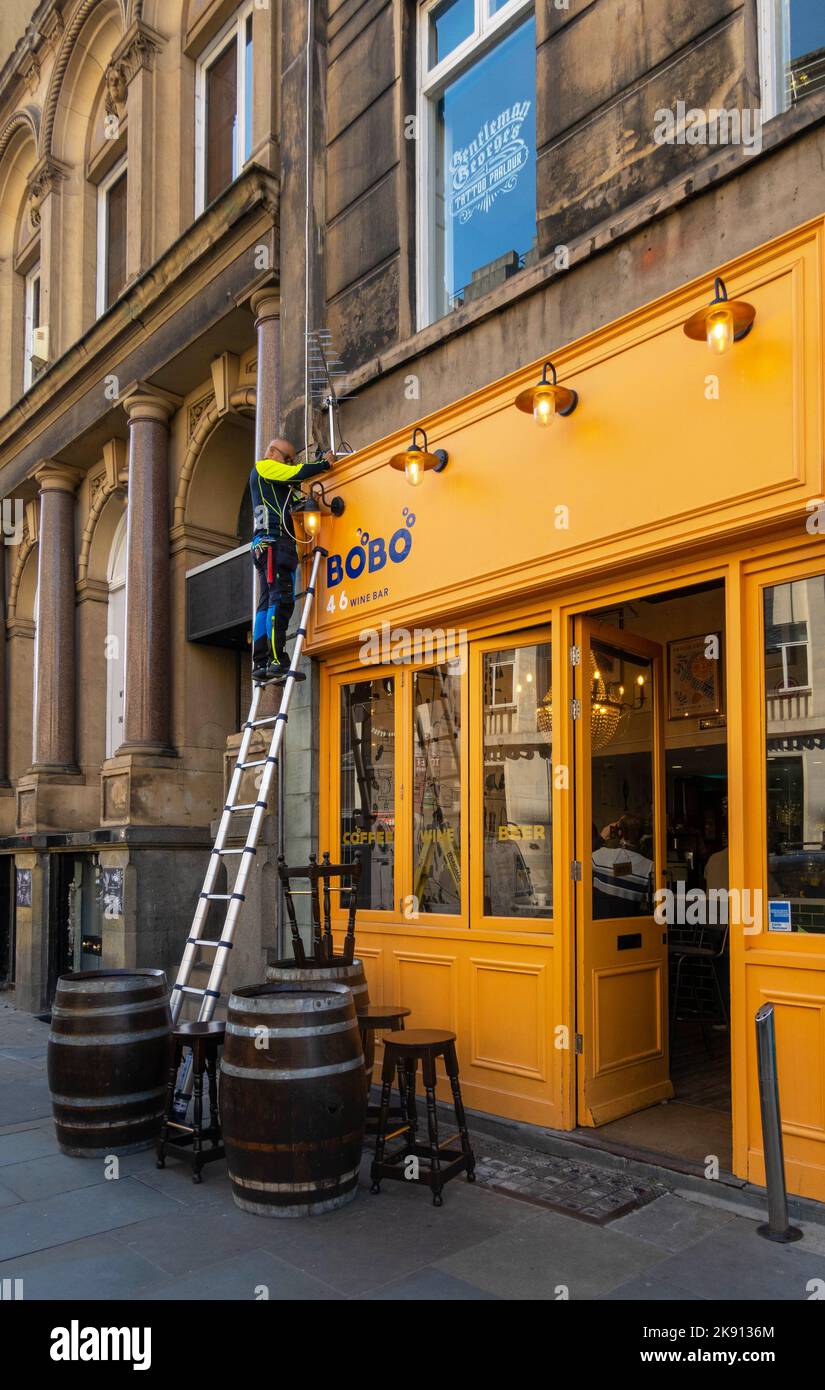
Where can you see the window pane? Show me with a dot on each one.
(485, 180)
(115, 239)
(795, 726)
(451, 23)
(805, 68)
(221, 120)
(437, 789)
(368, 787)
(621, 734)
(517, 785)
(247, 144)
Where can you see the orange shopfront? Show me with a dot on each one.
(573, 717)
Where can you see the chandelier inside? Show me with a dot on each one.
(609, 711)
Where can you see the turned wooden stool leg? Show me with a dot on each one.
(387, 1069)
(176, 1052)
(197, 1091)
(451, 1063)
(428, 1072)
(211, 1063)
(411, 1067)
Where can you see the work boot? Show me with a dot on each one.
(259, 670)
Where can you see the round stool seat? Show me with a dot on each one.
(418, 1039)
(192, 1029)
(381, 1015)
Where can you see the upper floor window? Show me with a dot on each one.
(477, 149)
(111, 236)
(792, 52)
(223, 114)
(32, 321)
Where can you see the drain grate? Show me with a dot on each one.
(576, 1189)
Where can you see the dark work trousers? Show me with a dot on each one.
(276, 600)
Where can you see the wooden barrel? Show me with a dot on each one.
(108, 1060)
(292, 1097)
(288, 971)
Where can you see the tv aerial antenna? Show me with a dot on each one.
(324, 368)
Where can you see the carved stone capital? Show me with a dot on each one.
(145, 402)
(137, 50)
(57, 477)
(44, 177)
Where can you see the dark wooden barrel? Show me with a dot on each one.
(292, 1111)
(353, 975)
(108, 1060)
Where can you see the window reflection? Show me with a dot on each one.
(517, 785)
(794, 660)
(368, 787)
(485, 179)
(620, 709)
(437, 789)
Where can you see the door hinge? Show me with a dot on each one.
(575, 656)
(578, 1044)
(575, 708)
(576, 870)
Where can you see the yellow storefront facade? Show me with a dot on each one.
(503, 651)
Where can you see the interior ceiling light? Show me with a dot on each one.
(414, 462)
(721, 323)
(547, 400)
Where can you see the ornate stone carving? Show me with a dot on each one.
(117, 89)
(196, 411)
(136, 49)
(45, 176)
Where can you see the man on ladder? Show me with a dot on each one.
(272, 484)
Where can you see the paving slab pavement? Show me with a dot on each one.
(70, 1232)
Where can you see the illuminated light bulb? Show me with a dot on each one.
(312, 522)
(640, 680)
(621, 690)
(544, 405)
(413, 470)
(720, 330)
(518, 689)
(597, 675)
(528, 677)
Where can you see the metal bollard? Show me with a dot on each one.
(777, 1227)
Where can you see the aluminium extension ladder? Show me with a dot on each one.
(210, 995)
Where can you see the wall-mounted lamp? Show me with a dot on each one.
(721, 323)
(414, 462)
(309, 510)
(547, 400)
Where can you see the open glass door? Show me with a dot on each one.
(621, 951)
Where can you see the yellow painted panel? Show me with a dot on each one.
(800, 1033)
(425, 983)
(373, 958)
(627, 1022)
(509, 1025)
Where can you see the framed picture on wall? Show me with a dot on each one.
(694, 676)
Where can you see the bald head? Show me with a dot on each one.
(280, 449)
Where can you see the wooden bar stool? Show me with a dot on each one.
(203, 1041)
(371, 1019)
(443, 1161)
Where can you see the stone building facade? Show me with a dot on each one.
(139, 297)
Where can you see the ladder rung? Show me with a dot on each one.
(259, 762)
(269, 719)
(247, 849)
(200, 941)
(194, 989)
(245, 806)
(223, 897)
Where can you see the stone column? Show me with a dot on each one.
(4, 693)
(266, 306)
(147, 703)
(54, 729)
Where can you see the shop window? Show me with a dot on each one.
(517, 787)
(223, 109)
(32, 321)
(368, 787)
(111, 236)
(436, 819)
(477, 151)
(792, 52)
(795, 774)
